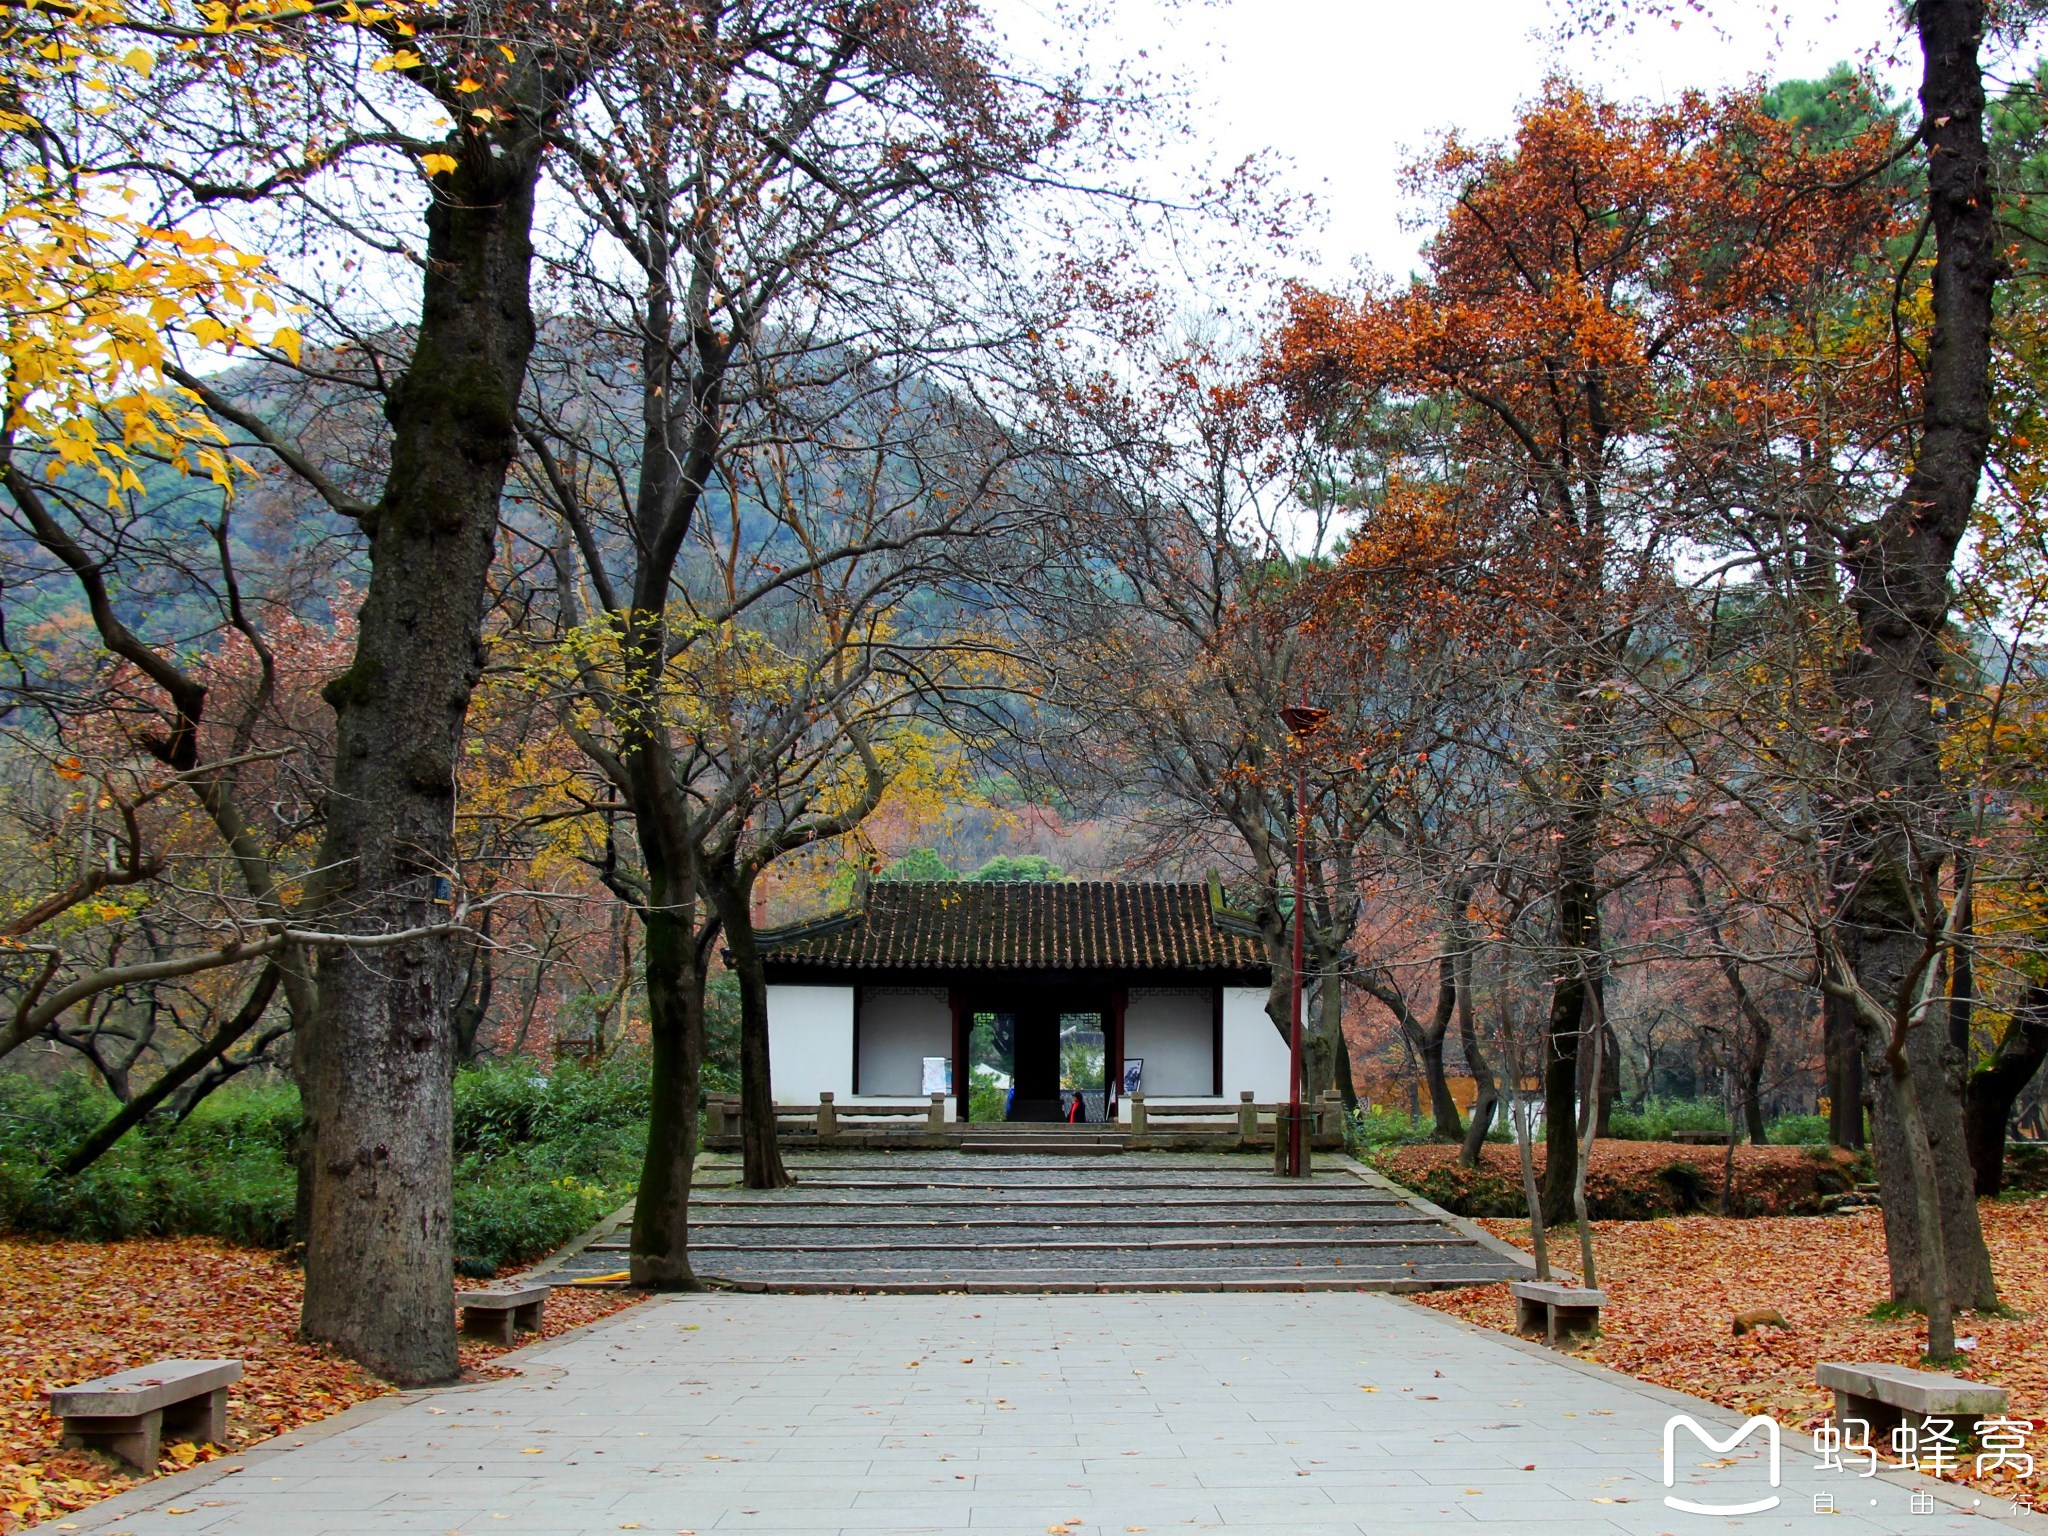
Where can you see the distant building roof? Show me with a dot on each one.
(903, 926)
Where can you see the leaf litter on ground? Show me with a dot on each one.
(79, 1310)
(1674, 1286)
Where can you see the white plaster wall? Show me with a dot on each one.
(810, 1042)
(899, 1027)
(1254, 1052)
(1174, 1029)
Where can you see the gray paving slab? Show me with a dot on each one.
(1248, 1414)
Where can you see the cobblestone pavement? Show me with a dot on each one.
(936, 1220)
(1258, 1415)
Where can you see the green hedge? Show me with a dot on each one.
(1383, 1126)
(539, 1156)
(1658, 1118)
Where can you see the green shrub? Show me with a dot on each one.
(539, 1157)
(1658, 1118)
(1378, 1125)
(503, 1104)
(255, 1114)
(1798, 1131)
(224, 1173)
(987, 1098)
(497, 1224)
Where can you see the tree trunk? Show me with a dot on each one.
(1844, 1060)
(1571, 1003)
(760, 1152)
(1938, 1111)
(673, 968)
(1929, 1250)
(1487, 1101)
(1994, 1088)
(1753, 1099)
(1425, 1042)
(1610, 1080)
(479, 986)
(1347, 1080)
(1962, 976)
(1899, 567)
(1450, 1125)
(376, 1061)
(1330, 1026)
(1588, 1275)
(1525, 1153)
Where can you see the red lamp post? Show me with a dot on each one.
(1302, 721)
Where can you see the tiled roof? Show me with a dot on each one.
(971, 925)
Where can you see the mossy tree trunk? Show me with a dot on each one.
(376, 1060)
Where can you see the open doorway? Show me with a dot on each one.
(1084, 1067)
(1043, 1057)
(991, 1066)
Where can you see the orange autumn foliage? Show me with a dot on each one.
(1621, 292)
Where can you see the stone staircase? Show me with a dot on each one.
(1055, 1139)
(1037, 1215)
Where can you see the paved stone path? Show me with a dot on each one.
(910, 1221)
(1258, 1415)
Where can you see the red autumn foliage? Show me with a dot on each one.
(80, 1310)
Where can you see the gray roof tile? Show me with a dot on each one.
(968, 925)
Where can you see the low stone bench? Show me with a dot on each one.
(497, 1313)
(130, 1413)
(1887, 1396)
(1555, 1311)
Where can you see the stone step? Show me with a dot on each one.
(1162, 1184)
(1279, 1200)
(1007, 1222)
(1219, 1244)
(1062, 1282)
(1090, 1239)
(1117, 1223)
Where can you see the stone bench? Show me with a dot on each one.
(1887, 1396)
(1555, 1311)
(495, 1314)
(130, 1413)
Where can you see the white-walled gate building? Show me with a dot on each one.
(1026, 1001)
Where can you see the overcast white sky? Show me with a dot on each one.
(1347, 89)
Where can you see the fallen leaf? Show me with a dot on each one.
(195, 1298)
(1673, 1283)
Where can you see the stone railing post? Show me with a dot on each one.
(936, 1121)
(828, 1116)
(724, 1112)
(1137, 1114)
(1247, 1117)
